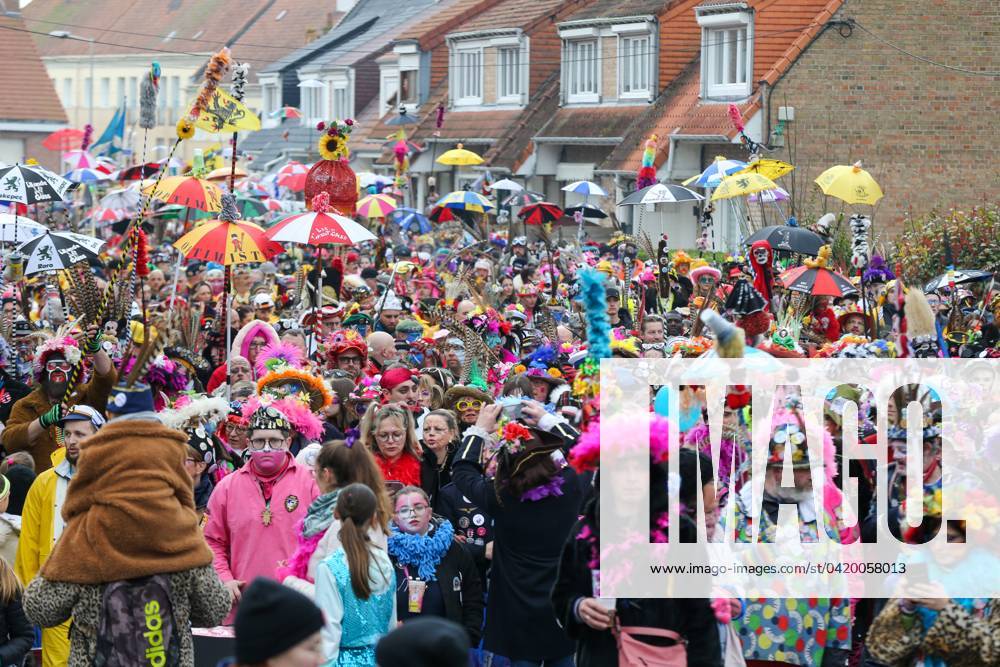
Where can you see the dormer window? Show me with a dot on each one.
(726, 52)
(582, 82)
(488, 69)
(469, 77)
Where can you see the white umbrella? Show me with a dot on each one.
(586, 188)
(507, 185)
(122, 198)
(14, 229)
(661, 193)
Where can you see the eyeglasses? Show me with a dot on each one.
(390, 437)
(58, 366)
(405, 512)
(257, 444)
(353, 361)
(468, 404)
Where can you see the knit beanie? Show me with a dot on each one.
(424, 642)
(271, 619)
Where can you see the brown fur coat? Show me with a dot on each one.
(129, 510)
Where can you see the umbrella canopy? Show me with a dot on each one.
(63, 140)
(366, 178)
(773, 169)
(407, 218)
(225, 242)
(444, 214)
(136, 172)
(315, 228)
(54, 251)
(403, 118)
(104, 214)
(525, 198)
(376, 206)
(718, 170)
(80, 159)
(506, 185)
(187, 191)
(222, 174)
(816, 281)
(585, 188)
(957, 276)
(87, 175)
(293, 176)
(14, 229)
(286, 112)
(32, 185)
(770, 196)
(460, 157)
(740, 185)
(253, 188)
(466, 200)
(850, 183)
(788, 239)
(661, 193)
(540, 213)
(121, 198)
(588, 211)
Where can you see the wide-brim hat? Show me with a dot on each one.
(854, 311)
(459, 391)
(319, 395)
(545, 375)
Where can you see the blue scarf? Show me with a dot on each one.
(319, 516)
(423, 551)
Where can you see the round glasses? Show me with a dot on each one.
(468, 404)
(260, 444)
(405, 512)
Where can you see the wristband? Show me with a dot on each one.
(93, 346)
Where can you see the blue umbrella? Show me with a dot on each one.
(406, 218)
(715, 172)
(586, 188)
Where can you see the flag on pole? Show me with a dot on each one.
(112, 139)
(224, 113)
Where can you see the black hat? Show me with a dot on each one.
(272, 619)
(369, 273)
(426, 641)
(613, 293)
(201, 442)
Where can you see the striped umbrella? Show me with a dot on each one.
(524, 198)
(54, 251)
(713, 175)
(227, 242)
(105, 214)
(285, 113)
(585, 188)
(445, 214)
(32, 185)
(319, 226)
(770, 196)
(817, 281)
(466, 200)
(187, 191)
(376, 206)
(87, 175)
(293, 176)
(540, 213)
(80, 159)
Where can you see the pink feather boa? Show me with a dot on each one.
(298, 564)
(586, 455)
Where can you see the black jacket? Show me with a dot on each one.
(470, 521)
(464, 606)
(434, 476)
(11, 391)
(693, 619)
(520, 620)
(16, 633)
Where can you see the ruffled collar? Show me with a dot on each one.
(422, 551)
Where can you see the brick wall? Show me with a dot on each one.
(609, 68)
(927, 134)
(489, 75)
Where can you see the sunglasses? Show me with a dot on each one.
(58, 366)
(468, 404)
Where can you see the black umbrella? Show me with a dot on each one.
(32, 185)
(54, 251)
(959, 276)
(587, 210)
(526, 198)
(788, 239)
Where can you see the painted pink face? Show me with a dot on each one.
(413, 514)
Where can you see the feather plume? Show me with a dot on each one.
(474, 346)
(148, 92)
(736, 117)
(241, 72)
(595, 306)
(151, 348)
(88, 133)
(919, 316)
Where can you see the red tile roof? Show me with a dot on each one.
(29, 94)
(598, 122)
(517, 14)
(270, 38)
(615, 8)
(446, 18)
(516, 145)
(461, 125)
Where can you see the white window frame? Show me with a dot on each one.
(412, 102)
(104, 93)
(67, 93)
(575, 69)
(388, 89)
(467, 81)
(628, 62)
(720, 53)
(342, 110)
(312, 104)
(510, 77)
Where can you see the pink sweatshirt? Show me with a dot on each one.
(244, 547)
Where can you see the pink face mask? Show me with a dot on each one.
(268, 462)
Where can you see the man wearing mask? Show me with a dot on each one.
(42, 521)
(31, 422)
(254, 512)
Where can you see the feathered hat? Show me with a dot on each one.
(280, 369)
(64, 345)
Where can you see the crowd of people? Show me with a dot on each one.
(388, 454)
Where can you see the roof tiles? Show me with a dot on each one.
(22, 70)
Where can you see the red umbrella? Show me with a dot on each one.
(293, 176)
(446, 214)
(137, 172)
(63, 140)
(540, 213)
(816, 281)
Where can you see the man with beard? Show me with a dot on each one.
(42, 522)
(32, 418)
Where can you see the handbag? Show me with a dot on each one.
(633, 652)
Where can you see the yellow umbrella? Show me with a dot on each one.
(222, 174)
(459, 156)
(773, 169)
(740, 185)
(376, 206)
(850, 183)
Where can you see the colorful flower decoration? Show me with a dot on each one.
(333, 144)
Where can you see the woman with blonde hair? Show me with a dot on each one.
(16, 632)
(389, 433)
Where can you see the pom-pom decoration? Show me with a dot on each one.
(148, 91)
(241, 71)
(184, 128)
(647, 172)
(592, 295)
(142, 254)
(88, 134)
(736, 117)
